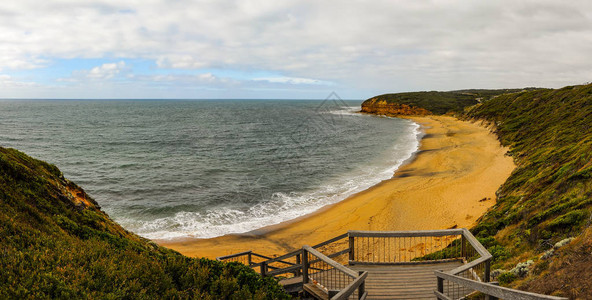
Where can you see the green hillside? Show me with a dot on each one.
(549, 196)
(55, 242)
(441, 102)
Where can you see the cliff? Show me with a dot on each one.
(382, 107)
(424, 103)
(55, 242)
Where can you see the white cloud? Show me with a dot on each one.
(376, 46)
(105, 71)
(292, 80)
(205, 78)
(180, 62)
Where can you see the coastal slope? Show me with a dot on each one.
(55, 242)
(450, 183)
(547, 201)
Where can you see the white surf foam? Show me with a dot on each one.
(282, 206)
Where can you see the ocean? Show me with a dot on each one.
(168, 169)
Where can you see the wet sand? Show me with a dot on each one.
(450, 183)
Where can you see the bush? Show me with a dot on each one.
(52, 248)
(506, 278)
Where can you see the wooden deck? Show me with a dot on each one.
(403, 281)
(463, 268)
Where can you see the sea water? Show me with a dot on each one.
(168, 169)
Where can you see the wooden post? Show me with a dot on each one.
(304, 266)
(440, 284)
(362, 287)
(351, 248)
(487, 271)
(249, 259)
(298, 262)
(264, 268)
(463, 246)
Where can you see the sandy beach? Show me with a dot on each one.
(450, 183)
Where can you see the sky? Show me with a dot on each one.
(288, 49)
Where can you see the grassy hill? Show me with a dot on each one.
(55, 242)
(438, 102)
(549, 196)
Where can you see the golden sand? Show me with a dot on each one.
(450, 183)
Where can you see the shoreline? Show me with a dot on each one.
(450, 182)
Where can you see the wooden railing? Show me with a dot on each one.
(322, 267)
(290, 264)
(404, 247)
(472, 278)
(248, 258)
(487, 290)
(326, 278)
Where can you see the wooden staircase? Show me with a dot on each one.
(436, 264)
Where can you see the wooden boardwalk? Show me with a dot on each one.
(428, 264)
(403, 281)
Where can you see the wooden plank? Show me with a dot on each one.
(441, 296)
(260, 255)
(417, 233)
(220, 258)
(291, 269)
(337, 238)
(472, 264)
(420, 262)
(287, 255)
(403, 281)
(475, 243)
(331, 256)
(316, 291)
(292, 280)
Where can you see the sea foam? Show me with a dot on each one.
(283, 207)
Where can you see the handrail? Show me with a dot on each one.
(416, 233)
(296, 267)
(475, 243)
(358, 282)
(485, 256)
(351, 288)
(221, 258)
(351, 273)
(488, 289)
(447, 244)
(329, 241)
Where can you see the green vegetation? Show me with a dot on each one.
(442, 102)
(549, 195)
(55, 242)
(506, 278)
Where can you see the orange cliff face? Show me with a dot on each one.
(374, 106)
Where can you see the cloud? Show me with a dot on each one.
(103, 72)
(180, 62)
(183, 79)
(7, 81)
(377, 46)
(292, 80)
